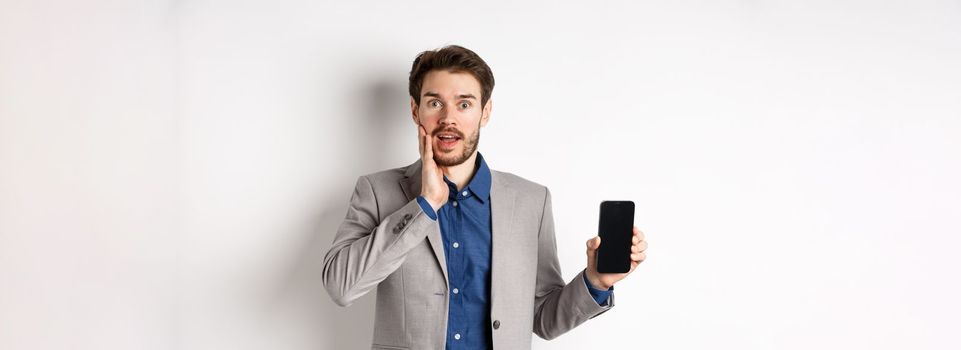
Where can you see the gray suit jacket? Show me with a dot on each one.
(386, 241)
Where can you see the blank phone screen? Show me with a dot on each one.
(616, 231)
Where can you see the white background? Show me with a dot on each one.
(172, 172)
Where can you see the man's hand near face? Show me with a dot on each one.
(604, 281)
(433, 188)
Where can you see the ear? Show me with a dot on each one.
(487, 112)
(413, 111)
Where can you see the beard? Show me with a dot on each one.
(451, 158)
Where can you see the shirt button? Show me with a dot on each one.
(457, 336)
(455, 204)
(456, 291)
(464, 193)
(456, 244)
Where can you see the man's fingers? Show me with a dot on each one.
(420, 139)
(428, 146)
(638, 234)
(638, 257)
(425, 147)
(639, 247)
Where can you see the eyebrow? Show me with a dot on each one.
(461, 96)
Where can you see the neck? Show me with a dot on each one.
(462, 173)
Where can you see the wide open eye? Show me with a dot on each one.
(434, 103)
(464, 105)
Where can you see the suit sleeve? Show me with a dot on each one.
(367, 250)
(559, 307)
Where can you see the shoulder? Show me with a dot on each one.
(386, 176)
(520, 184)
(394, 174)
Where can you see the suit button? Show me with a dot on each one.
(407, 217)
(497, 324)
(399, 227)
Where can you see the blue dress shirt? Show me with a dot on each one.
(465, 224)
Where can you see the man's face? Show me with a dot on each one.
(451, 112)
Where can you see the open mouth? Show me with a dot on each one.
(448, 140)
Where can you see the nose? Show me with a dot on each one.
(445, 118)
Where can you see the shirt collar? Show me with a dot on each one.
(480, 184)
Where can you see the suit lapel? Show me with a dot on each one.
(502, 215)
(411, 185)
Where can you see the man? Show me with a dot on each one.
(463, 257)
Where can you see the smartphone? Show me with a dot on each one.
(616, 230)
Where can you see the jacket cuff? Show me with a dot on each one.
(600, 296)
(429, 210)
(587, 305)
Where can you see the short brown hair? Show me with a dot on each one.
(454, 59)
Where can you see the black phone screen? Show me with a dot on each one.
(616, 231)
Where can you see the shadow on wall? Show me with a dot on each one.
(302, 294)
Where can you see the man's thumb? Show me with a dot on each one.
(593, 243)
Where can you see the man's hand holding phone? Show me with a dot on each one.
(605, 281)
